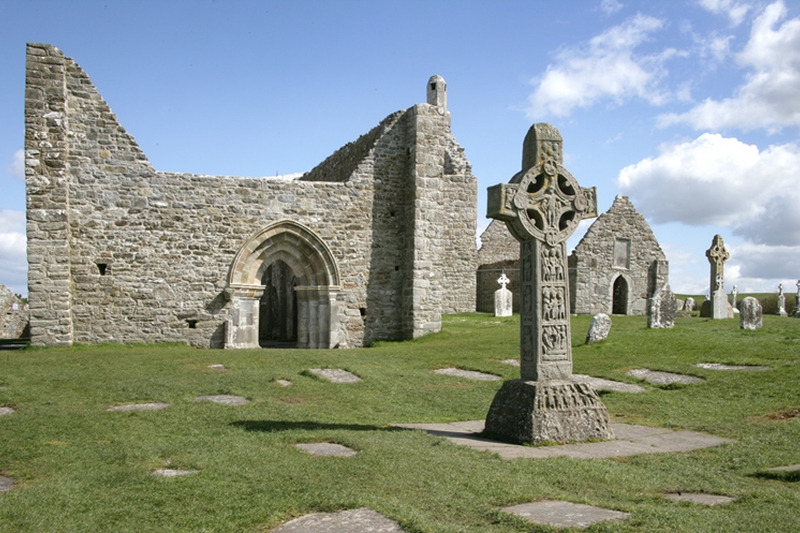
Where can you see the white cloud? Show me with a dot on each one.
(735, 11)
(756, 263)
(604, 68)
(609, 7)
(17, 167)
(720, 181)
(770, 97)
(13, 261)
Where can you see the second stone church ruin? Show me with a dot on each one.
(376, 242)
(614, 269)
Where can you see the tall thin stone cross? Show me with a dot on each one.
(542, 206)
(717, 255)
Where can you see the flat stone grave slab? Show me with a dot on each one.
(336, 375)
(284, 382)
(790, 468)
(698, 497)
(512, 362)
(351, 521)
(657, 377)
(327, 449)
(631, 440)
(564, 514)
(153, 406)
(718, 366)
(217, 367)
(224, 399)
(171, 472)
(6, 484)
(6, 411)
(467, 374)
(607, 384)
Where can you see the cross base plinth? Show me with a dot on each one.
(530, 412)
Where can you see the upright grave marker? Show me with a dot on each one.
(542, 206)
(796, 311)
(503, 303)
(717, 255)
(781, 301)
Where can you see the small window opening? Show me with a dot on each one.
(192, 324)
(363, 311)
(396, 268)
(102, 268)
(433, 86)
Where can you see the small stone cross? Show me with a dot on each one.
(503, 280)
(542, 206)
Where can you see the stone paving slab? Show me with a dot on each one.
(6, 411)
(335, 375)
(283, 382)
(153, 406)
(224, 399)
(6, 484)
(657, 377)
(790, 468)
(607, 384)
(351, 521)
(171, 472)
(718, 366)
(631, 440)
(564, 514)
(217, 367)
(699, 497)
(467, 374)
(329, 449)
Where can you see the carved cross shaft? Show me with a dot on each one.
(542, 206)
(717, 255)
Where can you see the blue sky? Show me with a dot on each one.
(689, 107)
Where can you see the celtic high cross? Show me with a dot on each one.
(542, 206)
(717, 255)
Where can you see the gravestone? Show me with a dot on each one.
(750, 313)
(734, 294)
(661, 309)
(781, 301)
(689, 305)
(599, 328)
(679, 304)
(503, 298)
(796, 312)
(717, 255)
(542, 206)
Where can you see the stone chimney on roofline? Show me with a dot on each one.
(437, 92)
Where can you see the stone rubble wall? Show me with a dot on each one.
(120, 252)
(15, 315)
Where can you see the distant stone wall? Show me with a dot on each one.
(499, 252)
(15, 315)
(121, 252)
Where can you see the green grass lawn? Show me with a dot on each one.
(79, 468)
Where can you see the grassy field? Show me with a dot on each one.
(79, 468)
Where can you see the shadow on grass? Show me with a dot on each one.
(786, 475)
(273, 426)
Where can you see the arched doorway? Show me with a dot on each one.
(277, 315)
(315, 286)
(619, 302)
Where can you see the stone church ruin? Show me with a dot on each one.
(614, 269)
(375, 242)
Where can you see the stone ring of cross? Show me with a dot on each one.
(549, 202)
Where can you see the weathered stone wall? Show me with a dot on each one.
(14, 314)
(619, 244)
(120, 252)
(499, 252)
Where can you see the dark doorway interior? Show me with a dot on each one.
(619, 304)
(277, 318)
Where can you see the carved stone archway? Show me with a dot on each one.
(317, 278)
(620, 296)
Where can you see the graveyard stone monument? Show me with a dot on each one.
(599, 328)
(689, 305)
(542, 206)
(750, 314)
(781, 301)
(661, 309)
(734, 294)
(502, 297)
(796, 311)
(717, 255)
